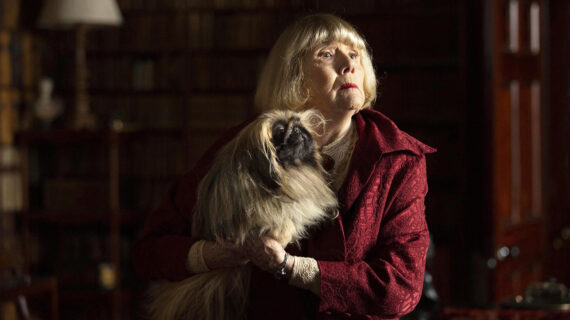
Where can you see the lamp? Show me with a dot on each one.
(79, 14)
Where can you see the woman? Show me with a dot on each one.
(369, 262)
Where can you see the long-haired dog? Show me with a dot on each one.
(267, 181)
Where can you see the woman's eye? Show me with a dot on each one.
(353, 55)
(326, 54)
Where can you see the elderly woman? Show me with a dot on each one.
(369, 262)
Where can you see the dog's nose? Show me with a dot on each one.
(295, 134)
(298, 136)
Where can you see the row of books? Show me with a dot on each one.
(172, 73)
(336, 6)
(157, 32)
(11, 260)
(19, 59)
(74, 178)
(205, 116)
(16, 69)
(208, 4)
(199, 111)
(83, 260)
(15, 113)
(19, 74)
(9, 115)
(9, 13)
(11, 198)
(154, 111)
(79, 197)
(153, 158)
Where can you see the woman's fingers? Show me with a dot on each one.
(218, 255)
(264, 252)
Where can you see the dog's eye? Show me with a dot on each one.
(278, 132)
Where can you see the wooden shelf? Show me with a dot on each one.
(80, 218)
(63, 136)
(174, 93)
(34, 287)
(59, 136)
(11, 168)
(218, 10)
(161, 52)
(94, 295)
(11, 290)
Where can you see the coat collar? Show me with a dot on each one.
(377, 136)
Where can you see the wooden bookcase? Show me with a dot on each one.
(19, 72)
(86, 194)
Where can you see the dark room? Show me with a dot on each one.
(285, 159)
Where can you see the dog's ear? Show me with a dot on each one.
(262, 170)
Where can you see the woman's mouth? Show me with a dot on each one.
(348, 86)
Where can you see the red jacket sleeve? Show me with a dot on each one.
(388, 281)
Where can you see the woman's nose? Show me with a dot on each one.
(346, 63)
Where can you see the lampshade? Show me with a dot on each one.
(67, 13)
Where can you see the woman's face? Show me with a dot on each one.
(334, 76)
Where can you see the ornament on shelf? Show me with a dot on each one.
(46, 107)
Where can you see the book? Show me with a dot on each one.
(11, 198)
(8, 118)
(9, 13)
(5, 60)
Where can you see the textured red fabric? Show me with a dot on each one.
(371, 258)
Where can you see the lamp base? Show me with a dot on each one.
(83, 118)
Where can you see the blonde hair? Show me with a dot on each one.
(280, 85)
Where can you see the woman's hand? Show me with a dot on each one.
(267, 254)
(223, 254)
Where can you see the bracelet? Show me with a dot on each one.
(280, 272)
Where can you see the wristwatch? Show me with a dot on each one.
(280, 273)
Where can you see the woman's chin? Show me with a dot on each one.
(348, 107)
(353, 104)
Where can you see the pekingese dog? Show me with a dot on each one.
(267, 181)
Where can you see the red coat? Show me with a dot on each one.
(371, 258)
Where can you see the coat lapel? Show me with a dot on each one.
(329, 243)
(377, 136)
(361, 167)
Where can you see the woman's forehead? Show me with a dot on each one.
(335, 43)
(347, 38)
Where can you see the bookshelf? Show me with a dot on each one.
(86, 194)
(20, 67)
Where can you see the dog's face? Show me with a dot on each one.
(293, 143)
(264, 174)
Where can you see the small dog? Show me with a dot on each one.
(268, 181)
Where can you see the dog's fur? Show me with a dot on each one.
(268, 181)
